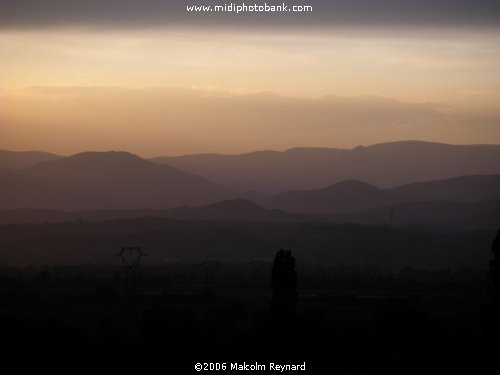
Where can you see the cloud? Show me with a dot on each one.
(172, 13)
(167, 120)
(216, 107)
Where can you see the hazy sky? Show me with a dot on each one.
(152, 78)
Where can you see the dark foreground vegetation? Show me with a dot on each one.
(348, 320)
(194, 241)
(347, 299)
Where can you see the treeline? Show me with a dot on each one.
(165, 241)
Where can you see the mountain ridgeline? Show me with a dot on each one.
(108, 180)
(352, 196)
(383, 165)
(459, 185)
(24, 159)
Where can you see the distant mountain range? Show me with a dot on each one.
(233, 209)
(112, 185)
(24, 159)
(451, 215)
(384, 165)
(352, 196)
(108, 180)
(272, 172)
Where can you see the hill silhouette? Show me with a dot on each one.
(449, 215)
(105, 180)
(351, 196)
(438, 214)
(111, 185)
(24, 159)
(233, 209)
(386, 164)
(346, 196)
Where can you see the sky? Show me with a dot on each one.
(152, 78)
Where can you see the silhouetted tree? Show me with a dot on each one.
(284, 281)
(492, 307)
(494, 272)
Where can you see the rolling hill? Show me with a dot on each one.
(385, 165)
(352, 196)
(233, 209)
(105, 180)
(24, 159)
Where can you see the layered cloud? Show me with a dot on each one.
(161, 120)
(325, 13)
(400, 70)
